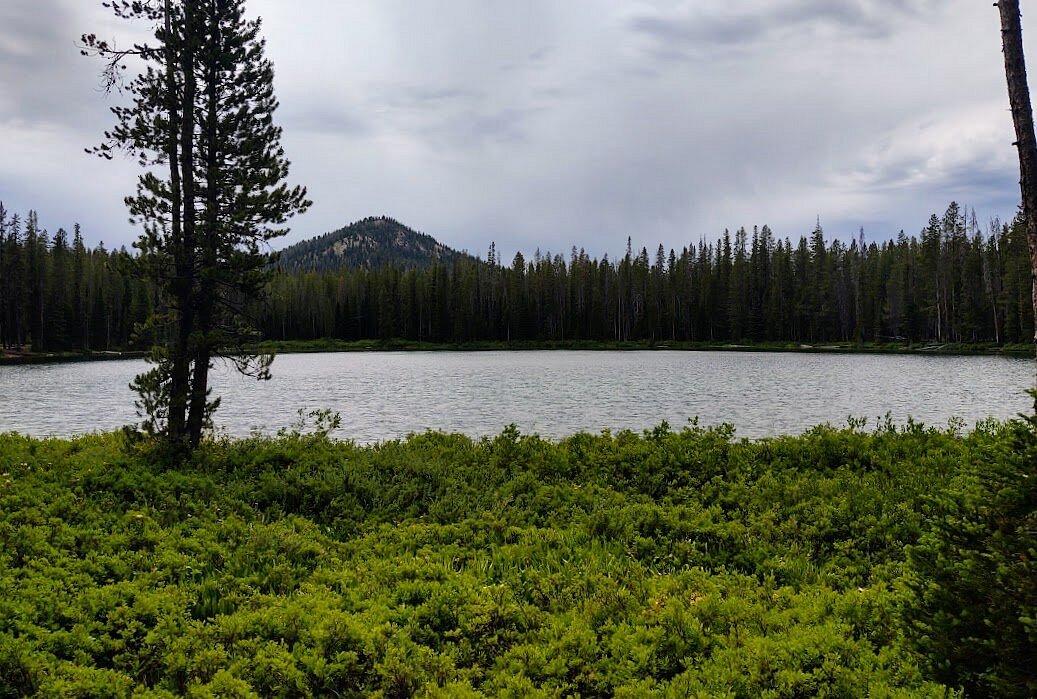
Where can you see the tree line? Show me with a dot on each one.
(56, 294)
(951, 283)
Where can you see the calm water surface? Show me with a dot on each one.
(388, 395)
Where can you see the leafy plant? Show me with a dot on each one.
(665, 563)
(973, 613)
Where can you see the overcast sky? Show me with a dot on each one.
(558, 122)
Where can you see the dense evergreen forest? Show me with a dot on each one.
(58, 295)
(955, 282)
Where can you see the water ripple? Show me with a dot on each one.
(389, 395)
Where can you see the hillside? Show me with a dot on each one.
(370, 243)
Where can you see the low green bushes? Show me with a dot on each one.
(973, 611)
(672, 563)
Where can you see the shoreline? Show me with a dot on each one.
(946, 348)
(67, 357)
(342, 346)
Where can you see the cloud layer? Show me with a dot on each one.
(549, 123)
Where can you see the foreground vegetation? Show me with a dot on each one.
(669, 563)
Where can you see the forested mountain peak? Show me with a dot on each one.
(370, 243)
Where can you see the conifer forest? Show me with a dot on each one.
(955, 282)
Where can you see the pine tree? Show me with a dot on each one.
(80, 304)
(36, 271)
(16, 284)
(5, 280)
(159, 129)
(819, 285)
(59, 311)
(1025, 138)
(246, 202)
(202, 107)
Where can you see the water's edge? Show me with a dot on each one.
(333, 346)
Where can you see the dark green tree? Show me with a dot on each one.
(59, 302)
(242, 169)
(973, 615)
(202, 112)
(158, 127)
(36, 273)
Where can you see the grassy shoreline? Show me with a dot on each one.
(314, 346)
(68, 357)
(319, 346)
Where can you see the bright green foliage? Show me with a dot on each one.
(669, 564)
(974, 614)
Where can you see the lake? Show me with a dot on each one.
(386, 395)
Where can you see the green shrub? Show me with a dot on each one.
(666, 563)
(973, 613)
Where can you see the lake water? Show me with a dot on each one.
(383, 396)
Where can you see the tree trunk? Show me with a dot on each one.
(199, 403)
(176, 420)
(1022, 116)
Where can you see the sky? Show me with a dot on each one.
(553, 123)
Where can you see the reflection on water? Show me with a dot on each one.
(388, 395)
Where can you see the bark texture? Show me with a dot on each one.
(1026, 141)
(1022, 117)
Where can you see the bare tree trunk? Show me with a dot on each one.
(1022, 116)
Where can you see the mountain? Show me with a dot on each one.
(371, 243)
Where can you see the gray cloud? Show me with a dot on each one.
(36, 55)
(25, 38)
(325, 119)
(701, 28)
(549, 123)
